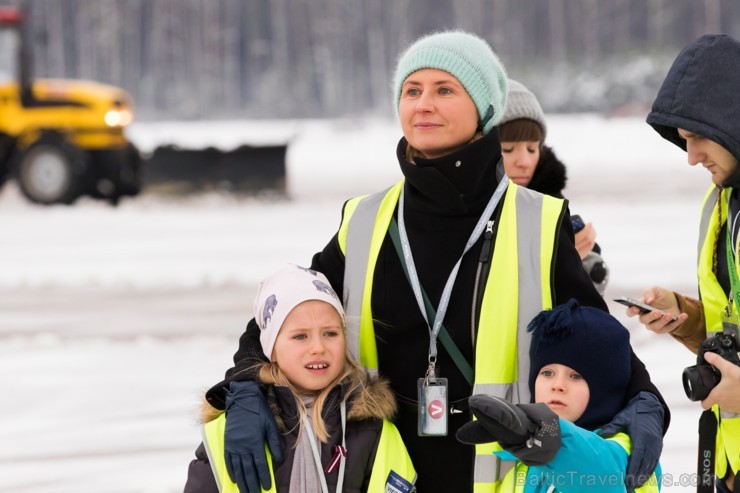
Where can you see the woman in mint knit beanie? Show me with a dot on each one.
(449, 91)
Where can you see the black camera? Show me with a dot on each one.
(700, 379)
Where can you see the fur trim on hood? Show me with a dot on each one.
(207, 412)
(550, 175)
(375, 400)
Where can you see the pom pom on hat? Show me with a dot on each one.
(594, 344)
(521, 103)
(279, 293)
(470, 60)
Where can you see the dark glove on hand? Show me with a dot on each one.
(529, 431)
(642, 419)
(249, 424)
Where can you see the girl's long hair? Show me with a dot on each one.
(353, 376)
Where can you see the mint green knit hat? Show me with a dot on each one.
(470, 60)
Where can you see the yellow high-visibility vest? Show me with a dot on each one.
(519, 286)
(715, 300)
(390, 456)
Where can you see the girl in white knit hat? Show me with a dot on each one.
(332, 417)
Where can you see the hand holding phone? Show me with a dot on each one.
(643, 307)
(577, 223)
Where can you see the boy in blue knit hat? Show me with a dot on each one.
(579, 377)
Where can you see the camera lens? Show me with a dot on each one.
(698, 381)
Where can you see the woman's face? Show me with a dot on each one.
(437, 114)
(520, 160)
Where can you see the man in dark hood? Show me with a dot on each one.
(697, 109)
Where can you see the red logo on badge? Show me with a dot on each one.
(436, 410)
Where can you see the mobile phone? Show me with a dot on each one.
(630, 302)
(643, 307)
(577, 223)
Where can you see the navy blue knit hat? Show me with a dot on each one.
(594, 344)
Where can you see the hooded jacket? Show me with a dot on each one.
(444, 198)
(700, 94)
(366, 410)
(549, 176)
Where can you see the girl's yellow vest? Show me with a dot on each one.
(390, 456)
(519, 286)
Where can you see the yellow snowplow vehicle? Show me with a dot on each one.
(60, 139)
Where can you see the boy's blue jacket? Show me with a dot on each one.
(585, 463)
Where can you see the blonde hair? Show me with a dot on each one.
(354, 376)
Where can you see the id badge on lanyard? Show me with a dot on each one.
(432, 409)
(432, 390)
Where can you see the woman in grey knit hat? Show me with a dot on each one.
(530, 163)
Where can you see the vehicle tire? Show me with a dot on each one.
(51, 170)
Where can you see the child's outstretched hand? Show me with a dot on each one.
(531, 432)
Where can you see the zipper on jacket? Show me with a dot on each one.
(485, 250)
(485, 254)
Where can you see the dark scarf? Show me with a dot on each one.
(460, 183)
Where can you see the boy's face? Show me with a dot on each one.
(563, 389)
(310, 347)
(715, 158)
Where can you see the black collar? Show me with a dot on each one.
(460, 183)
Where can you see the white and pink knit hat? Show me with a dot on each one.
(279, 293)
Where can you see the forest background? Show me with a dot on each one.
(205, 59)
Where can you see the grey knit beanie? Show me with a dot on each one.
(470, 60)
(523, 104)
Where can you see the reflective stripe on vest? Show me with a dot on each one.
(362, 237)
(213, 442)
(714, 300)
(518, 287)
(390, 456)
(711, 293)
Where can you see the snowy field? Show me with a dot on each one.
(113, 321)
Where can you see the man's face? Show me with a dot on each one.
(715, 158)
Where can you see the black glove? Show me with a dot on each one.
(249, 423)
(642, 419)
(531, 432)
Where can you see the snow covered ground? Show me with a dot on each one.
(114, 320)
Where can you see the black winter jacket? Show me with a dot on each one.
(366, 411)
(444, 201)
(550, 175)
